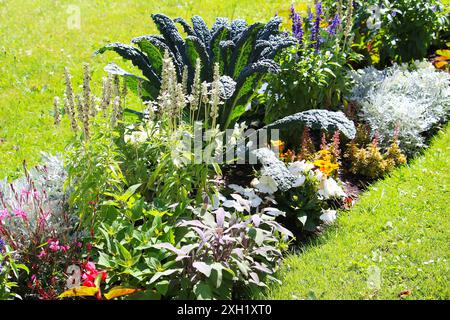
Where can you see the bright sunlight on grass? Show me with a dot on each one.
(394, 242)
(36, 44)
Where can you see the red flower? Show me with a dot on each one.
(91, 273)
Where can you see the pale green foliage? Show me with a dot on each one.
(414, 101)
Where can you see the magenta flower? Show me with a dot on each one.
(25, 193)
(42, 254)
(54, 245)
(20, 213)
(36, 195)
(4, 214)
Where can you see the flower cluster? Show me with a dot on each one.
(90, 274)
(325, 163)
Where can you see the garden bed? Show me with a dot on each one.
(205, 154)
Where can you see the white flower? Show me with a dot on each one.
(299, 167)
(136, 137)
(318, 174)
(265, 184)
(328, 216)
(330, 189)
(299, 181)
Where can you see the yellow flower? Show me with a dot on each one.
(277, 143)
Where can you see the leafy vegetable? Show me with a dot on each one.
(244, 53)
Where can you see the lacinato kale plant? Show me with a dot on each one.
(244, 54)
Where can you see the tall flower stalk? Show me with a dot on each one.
(315, 31)
(297, 25)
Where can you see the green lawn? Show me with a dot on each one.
(36, 43)
(395, 239)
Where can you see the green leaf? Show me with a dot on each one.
(141, 87)
(138, 58)
(203, 291)
(245, 88)
(130, 192)
(317, 119)
(216, 56)
(244, 48)
(203, 268)
(162, 287)
(195, 49)
(103, 260)
(124, 252)
(216, 274)
(154, 48)
(164, 273)
(170, 33)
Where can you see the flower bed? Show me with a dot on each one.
(247, 142)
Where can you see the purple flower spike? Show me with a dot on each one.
(297, 28)
(334, 25)
(315, 31)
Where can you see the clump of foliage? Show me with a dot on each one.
(36, 223)
(9, 272)
(313, 73)
(225, 252)
(133, 178)
(410, 101)
(244, 54)
(305, 191)
(396, 31)
(369, 162)
(408, 29)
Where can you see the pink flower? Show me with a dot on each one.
(20, 213)
(90, 266)
(44, 218)
(65, 248)
(42, 254)
(91, 274)
(54, 245)
(4, 214)
(25, 193)
(36, 195)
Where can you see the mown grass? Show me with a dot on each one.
(36, 43)
(399, 230)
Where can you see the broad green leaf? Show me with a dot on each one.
(124, 252)
(163, 273)
(203, 291)
(162, 287)
(203, 268)
(244, 48)
(130, 191)
(445, 53)
(138, 58)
